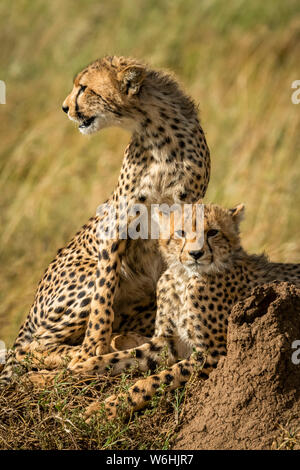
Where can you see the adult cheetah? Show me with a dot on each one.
(206, 276)
(97, 285)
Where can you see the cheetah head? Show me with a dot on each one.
(204, 243)
(104, 94)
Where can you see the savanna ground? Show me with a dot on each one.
(238, 60)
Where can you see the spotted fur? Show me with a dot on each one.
(205, 278)
(96, 286)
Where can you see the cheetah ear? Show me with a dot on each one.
(237, 213)
(131, 79)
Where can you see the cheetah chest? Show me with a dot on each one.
(162, 183)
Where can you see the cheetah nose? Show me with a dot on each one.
(196, 254)
(65, 109)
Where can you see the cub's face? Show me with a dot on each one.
(103, 95)
(203, 241)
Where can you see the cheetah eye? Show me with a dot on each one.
(82, 88)
(180, 233)
(212, 232)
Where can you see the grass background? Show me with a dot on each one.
(237, 59)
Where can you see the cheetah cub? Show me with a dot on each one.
(208, 273)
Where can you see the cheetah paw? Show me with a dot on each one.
(91, 366)
(41, 379)
(109, 406)
(92, 409)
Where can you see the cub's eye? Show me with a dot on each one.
(212, 233)
(180, 233)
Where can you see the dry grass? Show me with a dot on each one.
(288, 438)
(52, 417)
(237, 59)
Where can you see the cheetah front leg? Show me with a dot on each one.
(51, 359)
(99, 327)
(48, 357)
(145, 357)
(139, 395)
(58, 356)
(43, 351)
(36, 355)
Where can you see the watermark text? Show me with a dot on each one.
(2, 92)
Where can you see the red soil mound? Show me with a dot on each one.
(255, 391)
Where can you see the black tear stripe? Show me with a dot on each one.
(182, 248)
(79, 114)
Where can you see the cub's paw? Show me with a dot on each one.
(109, 407)
(91, 410)
(42, 379)
(91, 366)
(78, 360)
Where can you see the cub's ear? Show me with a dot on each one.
(131, 79)
(237, 213)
